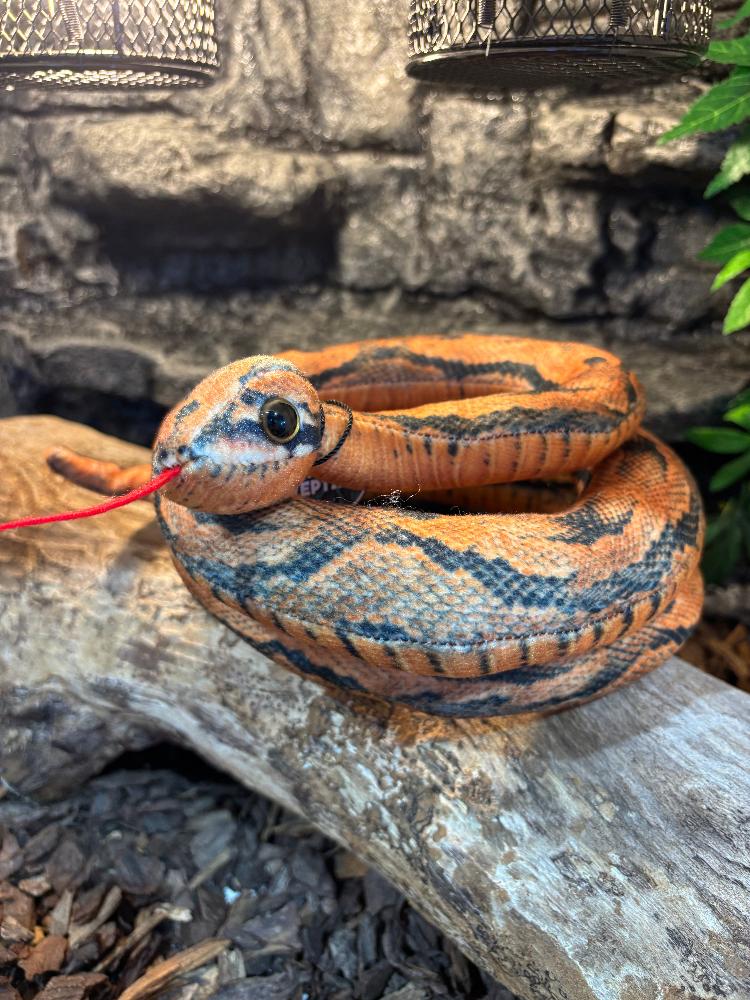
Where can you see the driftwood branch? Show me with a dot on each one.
(602, 853)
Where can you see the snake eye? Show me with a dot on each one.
(280, 420)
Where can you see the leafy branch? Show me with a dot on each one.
(728, 532)
(725, 105)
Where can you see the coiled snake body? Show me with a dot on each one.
(455, 606)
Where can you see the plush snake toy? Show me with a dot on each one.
(455, 596)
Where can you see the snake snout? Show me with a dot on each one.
(166, 457)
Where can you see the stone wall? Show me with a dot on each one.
(315, 194)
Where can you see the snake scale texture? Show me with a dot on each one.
(523, 544)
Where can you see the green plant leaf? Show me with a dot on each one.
(725, 535)
(738, 313)
(746, 532)
(739, 415)
(723, 545)
(740, 202)
(730, 473)
(726, 103)
(722, 554)
(734, 166)
(739, 263)
(715, 528)
(720, 440)
(730, 22)
(732, 50)
(728, 242)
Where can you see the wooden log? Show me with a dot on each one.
(601, 853)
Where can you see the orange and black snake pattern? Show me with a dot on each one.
(524, 545)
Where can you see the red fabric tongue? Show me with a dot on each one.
(122, 501)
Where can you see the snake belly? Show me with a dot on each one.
(480, 612)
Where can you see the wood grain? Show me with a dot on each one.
(601, 853)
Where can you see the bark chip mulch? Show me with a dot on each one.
(149, 885)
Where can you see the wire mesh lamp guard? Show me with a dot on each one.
(92, 43)
(527, 43)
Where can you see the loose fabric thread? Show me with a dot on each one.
(122, 501)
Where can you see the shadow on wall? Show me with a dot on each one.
(207, 242)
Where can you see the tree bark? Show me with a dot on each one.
(600, 853)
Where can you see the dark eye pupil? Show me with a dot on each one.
(279, 420)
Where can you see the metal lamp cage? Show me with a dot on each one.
(93, 43)
(530, 43)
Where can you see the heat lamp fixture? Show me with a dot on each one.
(107, 43)
(486, 44)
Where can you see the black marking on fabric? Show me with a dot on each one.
(392, 655)
(435, 662)
(382, 632)
(342, 636)
(452, 370)
(545, 452)
(427, 444)
(524, 648)
(434, 703)
(485, 666)
(277, 622)
(662, 636)
(598, 632)
(585, 525)
(235, 524)
(627, 619)
(186, 410)
(566, 443)
(563, 644)
(497, 575)
(513, 422)
(252, 398)
(519, 676)
(275, 650)
(453, 448)
(267, 367)
(516, 455)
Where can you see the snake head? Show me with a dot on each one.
(245, 437)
